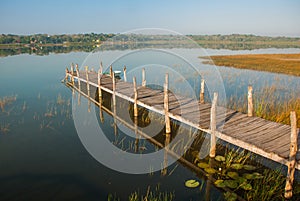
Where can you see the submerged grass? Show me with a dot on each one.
(7, 100)
(154, 195)
(278, 63)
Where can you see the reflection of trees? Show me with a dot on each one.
(42, 44)
(45, 50)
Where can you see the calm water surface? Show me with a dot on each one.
(41, 156)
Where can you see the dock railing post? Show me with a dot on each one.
(292, 157)
(67, 74)
(78, 80)
(250, 101)
(202, 91)
(101, 68)
(125, 75)
(114, 89)
(110, 71)
(143, 77)
(99, 85)
(72, 74)
(166, 104)
(87, 80)
(135, 108)
(213, 126)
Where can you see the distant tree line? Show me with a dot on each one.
(53, 39)
(98, 38)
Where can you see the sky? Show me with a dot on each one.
(258, 17)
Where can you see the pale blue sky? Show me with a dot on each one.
(259, 17)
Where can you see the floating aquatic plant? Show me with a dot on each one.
(192, 183)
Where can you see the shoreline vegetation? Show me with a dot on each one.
(278, 63)
(43, 44)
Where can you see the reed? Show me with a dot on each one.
(279, 63)
(270, 104)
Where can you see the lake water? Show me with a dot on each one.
(41, 155)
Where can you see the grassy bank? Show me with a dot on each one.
(278, 63)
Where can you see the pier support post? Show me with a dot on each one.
(292, 157)
(72, 74)
(202, 91)
(213, 126)
(87, 80)
(114, 89)
(143, 77)
(101, 68)
(125, 75)
(78, 80)
(135, 108)
(67, 74)
(250, 101)
(166, 104)
(110, 71)
(99, 85)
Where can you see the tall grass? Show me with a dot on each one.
(279, 63)
(270, 103)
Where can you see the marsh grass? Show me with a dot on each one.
(270, 187)
(270, 103)
(150, 195)
(278, 63)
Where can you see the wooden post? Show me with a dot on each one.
(202, 91)
(143, 77)
(67, 74)
(101, 68)
(110, 71)
(292, 158)
(78, 80)
(87, 80)
(125, 76)
(250, 101)
(166, 104)
(114, 89)
(115, 118)
(213, 126)
(164, 170)
(135, 108)
(99, 85)
(79, 98)
(136, 143)
(72, 74)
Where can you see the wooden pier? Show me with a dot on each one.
(271, 140)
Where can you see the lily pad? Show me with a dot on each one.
(231, 183)
(203, 165)
(192, 183)
(241, 180)
(220, 183)
(249, 167)
(233, 175)
(246, 187)
(210, 170)
(220, 158)
(236, 166)
(230, 196)
(248, 176)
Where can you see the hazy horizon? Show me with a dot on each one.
(196, 17)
